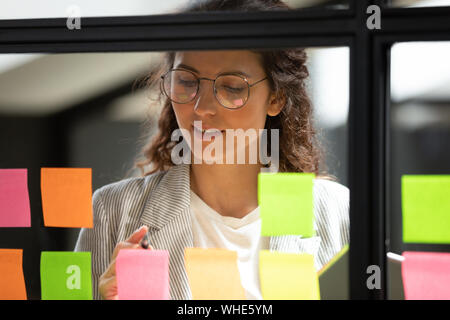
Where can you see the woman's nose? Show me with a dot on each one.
(206, 102)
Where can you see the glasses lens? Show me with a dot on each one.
(231, 91)
(180, 86)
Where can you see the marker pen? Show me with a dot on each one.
(144, 242)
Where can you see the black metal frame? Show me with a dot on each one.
(369, 79)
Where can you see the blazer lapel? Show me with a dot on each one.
(167, 214)
(169, 198)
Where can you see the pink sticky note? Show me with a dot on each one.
(14, 199)
(142, 274)
(426, 275)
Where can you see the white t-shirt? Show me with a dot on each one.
(212, 230)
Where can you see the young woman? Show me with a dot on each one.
(215, 205)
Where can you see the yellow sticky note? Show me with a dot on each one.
(213, 274)
(288, 276)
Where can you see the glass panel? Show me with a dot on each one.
(419, 137)
(24, 9)
(98, 110)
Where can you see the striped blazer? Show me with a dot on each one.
(161, 201)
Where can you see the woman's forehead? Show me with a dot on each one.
(219, 61)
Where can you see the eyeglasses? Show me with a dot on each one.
(232, 90)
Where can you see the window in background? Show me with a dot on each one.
(329, 91)
(419, 131)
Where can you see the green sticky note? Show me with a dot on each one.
(426, 208)
(286, 203)
(66, 275)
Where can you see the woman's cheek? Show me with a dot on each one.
(182, 115)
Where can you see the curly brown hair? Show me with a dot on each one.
(286, 70)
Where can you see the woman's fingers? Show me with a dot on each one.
(137, 236)
(111, 270)
(107, 281)
(123, 245)
(108, 288)
(132, 242)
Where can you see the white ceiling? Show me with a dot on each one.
(51, 83)
(420, 70)
(26, 9)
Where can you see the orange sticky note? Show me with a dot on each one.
(67, 197)
(12, 282)
(213, 274)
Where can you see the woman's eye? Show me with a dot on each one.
(233, 89)
(187, 83)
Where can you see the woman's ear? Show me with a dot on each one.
(276, 104)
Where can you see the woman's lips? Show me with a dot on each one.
(207, 133)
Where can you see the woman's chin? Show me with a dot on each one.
(205, 158)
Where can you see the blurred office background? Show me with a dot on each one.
(87, 110)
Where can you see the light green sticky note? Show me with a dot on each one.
(426, 208)
(288, 276)
(286, 203)
(66, 275)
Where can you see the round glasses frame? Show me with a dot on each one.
(163, 90)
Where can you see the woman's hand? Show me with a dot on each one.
(107, 283)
